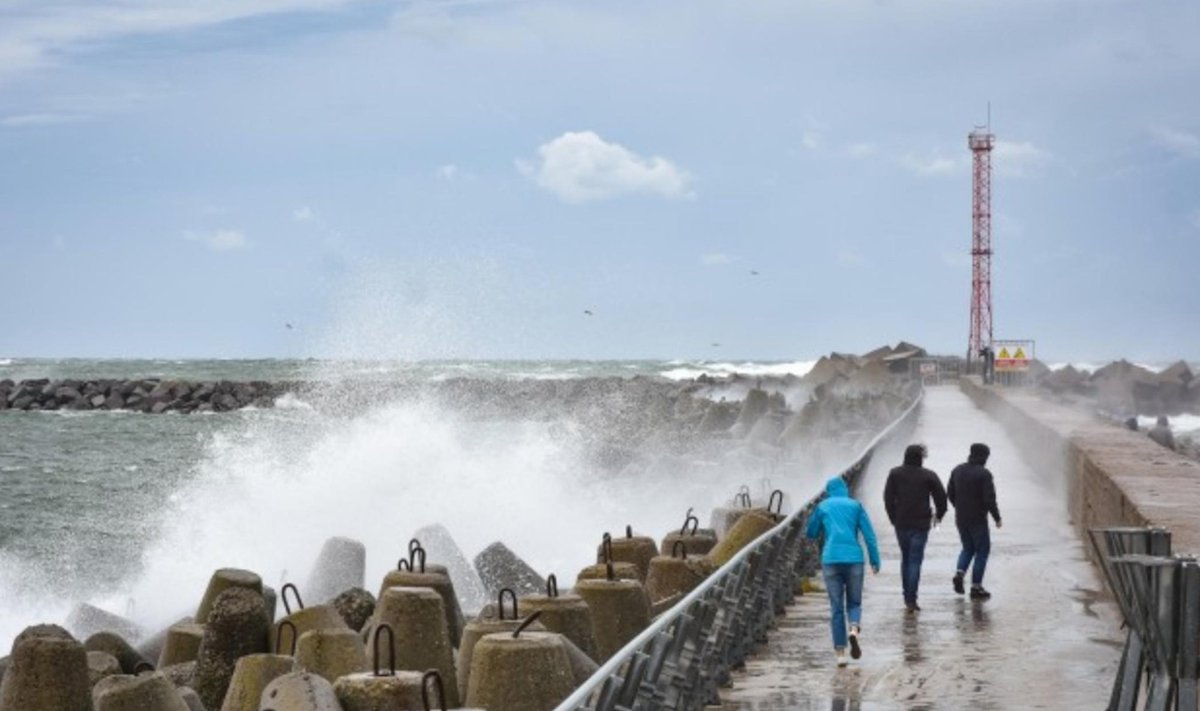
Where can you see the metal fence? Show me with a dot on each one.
(1159, 597)
(681, 660)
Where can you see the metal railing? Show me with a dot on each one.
(1159, 597)
(685, 655)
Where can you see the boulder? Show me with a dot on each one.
(48, 671)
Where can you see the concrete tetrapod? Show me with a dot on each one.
(47, 671)
(421, 641)
(435, 578)
(493, 619)
(749, 526)
(101, 665)
(670, 576)
(251, 676)
(237, 626)
(696, 541)
(299, 691)
(151, 648)
(148, 692)
(86, 620)
(112, 643)
(520, 672)
(182, 644)
(629, 549)
(331, 653)
(355, 606)
(565, 614)
(599, 571)
(620, 610)
(221, 580)
(341, 565)
(305, 619)
(500, 568)
(440, 545)
(192, 699)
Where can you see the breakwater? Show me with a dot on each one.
(151, 396)
(1112, 476)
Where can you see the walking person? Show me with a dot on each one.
(906, 496)
(973, 493)
(841, 520)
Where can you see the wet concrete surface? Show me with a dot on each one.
(1048, 639)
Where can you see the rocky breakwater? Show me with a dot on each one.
(1124, 388)
(151, 396)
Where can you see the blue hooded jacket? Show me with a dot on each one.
(841, 518)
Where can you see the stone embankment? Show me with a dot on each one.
(1114, 476)
(1122, 388)
(152, 396)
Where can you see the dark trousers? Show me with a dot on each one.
(912, 554)
(976, 544)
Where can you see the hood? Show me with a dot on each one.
(837, 487)
(914, 455)
(979, 454)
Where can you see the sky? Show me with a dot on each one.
(735, 179)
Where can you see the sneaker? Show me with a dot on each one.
(958, 583)
(978, 593)
(855, 650)
(841, 657)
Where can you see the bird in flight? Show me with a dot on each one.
(753, 273)
(716, 345)
(589, 313)
(288, 326)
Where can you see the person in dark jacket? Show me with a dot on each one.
(973, 493)
(841, 520)
(906, 496)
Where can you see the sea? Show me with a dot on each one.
(131, 512)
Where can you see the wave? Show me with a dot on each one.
(716, 370)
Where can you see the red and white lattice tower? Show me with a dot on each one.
(981, 142)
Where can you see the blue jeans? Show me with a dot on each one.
(912, 554)
(843, 582)
(977, 544)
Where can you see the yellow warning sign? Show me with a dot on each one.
(1013, 356)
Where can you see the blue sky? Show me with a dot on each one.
(465, 179)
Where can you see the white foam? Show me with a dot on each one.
(1180, 424)
(717, 370)
(266, 495)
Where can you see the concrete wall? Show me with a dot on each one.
(1112, 476)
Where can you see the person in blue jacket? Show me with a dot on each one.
(840, 520)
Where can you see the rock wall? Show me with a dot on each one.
(153, 396)
(1112, 476)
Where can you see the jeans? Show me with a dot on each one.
(976, 543)
(844, 583)
(912, 554)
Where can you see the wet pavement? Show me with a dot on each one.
(1048, 639)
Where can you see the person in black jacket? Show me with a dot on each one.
(973, 493)
(906, 497)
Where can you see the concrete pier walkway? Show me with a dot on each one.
(1046, 640)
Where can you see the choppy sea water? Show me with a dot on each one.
(131, 512)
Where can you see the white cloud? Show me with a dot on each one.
(933, 164)
(453, 173)
(219, 240)
(34, 31)
(1182, 143)
(811, 140)
(37, 119)
(1018, 159)
(861, 150)
(713, 259)
(304, 213)
(581, 166)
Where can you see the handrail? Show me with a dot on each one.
(607, 676)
